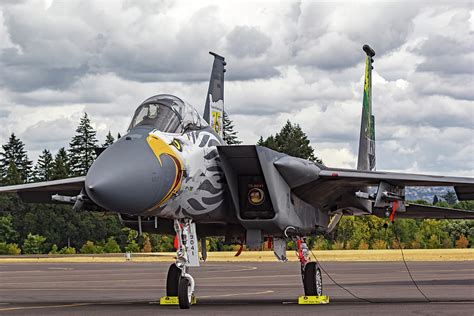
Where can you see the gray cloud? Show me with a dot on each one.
(247, 41)
(47, 132)
(445, 55)
(291, 60)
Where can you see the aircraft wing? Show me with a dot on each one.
(334, 186)
(41, 192)
(463, 186)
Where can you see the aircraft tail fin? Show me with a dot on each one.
(366, 158)
(214, 109)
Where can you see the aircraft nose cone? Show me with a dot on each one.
(129, 178)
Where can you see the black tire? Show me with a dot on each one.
(312, 280)
(172, 280)
(183, 294)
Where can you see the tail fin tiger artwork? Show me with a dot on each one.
(214, 109)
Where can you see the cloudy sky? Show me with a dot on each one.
(286, 60)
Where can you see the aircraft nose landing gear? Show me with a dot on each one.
(179, 283)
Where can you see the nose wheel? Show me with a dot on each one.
(179, 283)
(185, 293)
(172, 280)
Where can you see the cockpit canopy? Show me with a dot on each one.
(167, 113)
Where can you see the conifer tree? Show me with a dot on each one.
(109, 140)
(82, 147)
(13, 175)
(269, 142)
(291, 140)
(450, 197)
(14, 152)
(230, 135)
(60, 165)
(44, 166)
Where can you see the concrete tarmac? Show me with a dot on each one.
(132, 288)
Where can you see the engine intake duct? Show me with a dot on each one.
(297, 171)
(246, 182)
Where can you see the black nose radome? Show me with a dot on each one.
(128, 177)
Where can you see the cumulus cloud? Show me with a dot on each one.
(298, 60)
(245, 41)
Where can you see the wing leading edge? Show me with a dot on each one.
(41, 192)
(464, 185)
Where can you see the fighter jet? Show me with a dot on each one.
(172, 173)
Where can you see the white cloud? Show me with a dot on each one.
(297, 60)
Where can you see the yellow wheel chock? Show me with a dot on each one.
(173, 300)
(313, 300)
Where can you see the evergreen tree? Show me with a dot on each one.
(450, 197)
(109, 140)
(44, 167)
(230, 136)
(291, 140)
(269, 142)
(81, 148)
(12, 175)
(60, 166)
(14, 152)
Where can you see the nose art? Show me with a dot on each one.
(128, 177)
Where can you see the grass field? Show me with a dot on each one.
(264, 256)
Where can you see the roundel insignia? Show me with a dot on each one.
(177, 144)
(256, 196)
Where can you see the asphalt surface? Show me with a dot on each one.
(270, 288)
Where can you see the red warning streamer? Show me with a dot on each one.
(394, 209)
(300, 252)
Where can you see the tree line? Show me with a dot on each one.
(37, 228)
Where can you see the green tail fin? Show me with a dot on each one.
(366, 158)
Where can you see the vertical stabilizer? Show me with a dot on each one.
(214, 109)
(366, 159)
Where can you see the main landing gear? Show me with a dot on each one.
(310, 272)
(179, 283)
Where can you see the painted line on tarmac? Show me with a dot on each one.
(84, 289)
(42, 307)
(236, 294)
(236, 270)
(149, 279)
(251, 277)
(20, 271)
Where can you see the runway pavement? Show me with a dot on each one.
(132, 288)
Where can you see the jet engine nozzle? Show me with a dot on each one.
(136, 174)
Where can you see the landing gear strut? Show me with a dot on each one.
(179, 282)
(310, 272)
